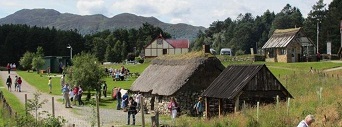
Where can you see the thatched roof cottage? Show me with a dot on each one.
(184, 77)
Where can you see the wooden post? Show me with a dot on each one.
(277, 100)
(98, 110)
(279, 76)
(26, 104)
(288, 106)
(53, 106)
(206, 108)
(220, 106)
(142, 101)
(236, 106)
(258, 111)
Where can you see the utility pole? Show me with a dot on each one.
(318, 21)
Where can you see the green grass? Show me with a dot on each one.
(294, 76)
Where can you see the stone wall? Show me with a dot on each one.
(186, 100)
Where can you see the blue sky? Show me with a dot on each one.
(194, 12)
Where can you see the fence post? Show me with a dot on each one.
(53, 106)
(26, 104)
(98, 110)
(288, 106)
(258, 111)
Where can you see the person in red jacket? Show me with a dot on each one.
(19, 84)
(8, 68)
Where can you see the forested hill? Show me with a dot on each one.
(91, 24)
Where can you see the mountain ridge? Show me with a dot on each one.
(90, 24)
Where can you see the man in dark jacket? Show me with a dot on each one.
(118, 97)
(132, 110)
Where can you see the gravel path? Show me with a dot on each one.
(80, 116)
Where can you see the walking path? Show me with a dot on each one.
(80, 116)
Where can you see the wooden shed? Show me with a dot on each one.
(239, 84)
(184, 77)
(289, 45)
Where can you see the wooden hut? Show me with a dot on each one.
(289, 45)
(184, 77)
(239, 84)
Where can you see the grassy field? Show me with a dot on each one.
(296, 77)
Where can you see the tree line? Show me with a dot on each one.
(247, 32)
(113, 46)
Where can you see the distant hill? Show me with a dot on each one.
(90, 24)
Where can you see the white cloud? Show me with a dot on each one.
(87, 7)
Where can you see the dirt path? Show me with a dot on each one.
(80, 116)
(60, 110)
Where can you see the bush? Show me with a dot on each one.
(139, 59)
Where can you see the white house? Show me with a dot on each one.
(161, 46)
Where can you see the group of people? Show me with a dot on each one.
(118, 74)
(131, 104)
(10, 66)
(71, 94)
(17, 83)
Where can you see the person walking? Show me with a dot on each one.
(80, 92)
(19, 84)
(124, 102)
(309, 119)
(173, 105)
(9, 83)
(66, 91)
(75, 92)
(62, 81)
(16, 84)
(50, 85)
(104, 88)
(8, 68)
(199, 107)
(132, 110)
(118, 98)
(137, 99)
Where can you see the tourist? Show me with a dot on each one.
(62, 81)
(75, 92)
(79, 94)
(9, 83)
(124, 100)
(50, 85)
(8, 68)
(309, 119)
(199, 107)
(131, 110)
(16, 84)
(19, 84)
(173, 107)
(118, 98)
(66, 91)
(138, 100)
(104, 88)
(48, 70)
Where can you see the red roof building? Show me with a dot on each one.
(161, 46)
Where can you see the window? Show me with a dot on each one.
(283, 51)
(159, 41)
(164, 51)
(270, 53)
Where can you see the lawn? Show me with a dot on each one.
(41, 82)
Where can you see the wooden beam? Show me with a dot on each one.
(220, 106)
(206, 108)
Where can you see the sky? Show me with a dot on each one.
(193, 12)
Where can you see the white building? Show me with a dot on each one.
(161, 46)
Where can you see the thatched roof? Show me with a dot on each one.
(169, 73)
(281, 38)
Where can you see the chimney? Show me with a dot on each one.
(206, 48)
